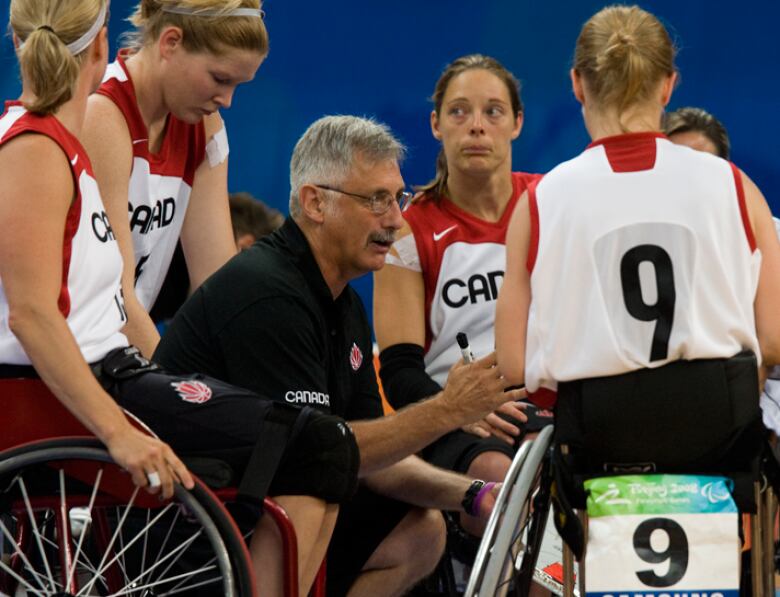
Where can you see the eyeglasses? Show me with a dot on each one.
(379, 203)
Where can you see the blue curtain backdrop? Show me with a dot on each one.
(382, 59)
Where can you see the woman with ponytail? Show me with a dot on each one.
(159, 145)
(62, 311)
(444, 270)
(637, 254)
(60, 298)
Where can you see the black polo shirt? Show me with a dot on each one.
(267, 321)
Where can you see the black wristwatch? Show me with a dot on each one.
(471, 494)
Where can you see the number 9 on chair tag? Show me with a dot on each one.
(661, 536)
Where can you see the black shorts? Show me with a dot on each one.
(458, 449)
(363, 523)
(204, 419)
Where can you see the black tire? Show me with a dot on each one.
(186, 546)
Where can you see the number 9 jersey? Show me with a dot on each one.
(641, 253)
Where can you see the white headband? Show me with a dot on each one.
(78, 46)
(196, 12)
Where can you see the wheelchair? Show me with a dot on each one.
(72, 523)
(551, 469)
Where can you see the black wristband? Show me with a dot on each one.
(471, 494)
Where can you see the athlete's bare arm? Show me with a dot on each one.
(399, 303)
(768, 293)
(33, 211)
(207, 235)
(514, 297)
(107, 140)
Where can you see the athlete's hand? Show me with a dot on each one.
(144, 456)
(475, 390)
(503, 423)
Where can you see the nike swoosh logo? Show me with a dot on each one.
(439, 235)
(137, 141)
(74, 160)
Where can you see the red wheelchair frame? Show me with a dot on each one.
(35, 417)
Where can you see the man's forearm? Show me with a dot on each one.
(414, 481)
(388, 439)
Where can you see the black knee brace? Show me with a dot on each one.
(322, 459)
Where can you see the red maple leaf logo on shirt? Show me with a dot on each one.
(193, 391)
(355, 357)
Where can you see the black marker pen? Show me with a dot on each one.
(465, 350)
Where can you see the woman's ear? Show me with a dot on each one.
(435, 125)
(170, 40)
(576, 86)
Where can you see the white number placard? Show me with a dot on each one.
(661, 536)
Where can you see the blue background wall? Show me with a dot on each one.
(382, 59)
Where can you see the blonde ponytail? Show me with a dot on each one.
(623, 52)
(50, 70)
(45, 29)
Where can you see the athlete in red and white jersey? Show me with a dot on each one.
(462, 259)
(160, 183)
(60, 266)
(159, 146)
(61, 309)
(90, 298)
(637, 252)
(444, 270)
(655, 277)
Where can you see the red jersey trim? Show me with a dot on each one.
(544, 398)
(50, 127)
(743, 207)
(71, 227)
(533, 242)
(631, 152)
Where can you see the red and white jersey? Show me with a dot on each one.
(90, 296)
(641, 253)
(160, 183)
(462, 259)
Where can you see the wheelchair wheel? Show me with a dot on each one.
(73, 524)
(510, 546)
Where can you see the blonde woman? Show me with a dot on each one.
(59, 262)
(62, 311)
(640, 257)
(159, 145)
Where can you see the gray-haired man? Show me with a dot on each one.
(280, 318)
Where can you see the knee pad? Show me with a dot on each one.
(322, 460)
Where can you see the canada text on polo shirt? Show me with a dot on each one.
(307, 397)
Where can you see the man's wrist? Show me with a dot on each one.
(474, 496)
(444, 414)
(469, 498)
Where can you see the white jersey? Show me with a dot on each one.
(90, 297)
(160, 184)
(641, 253)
